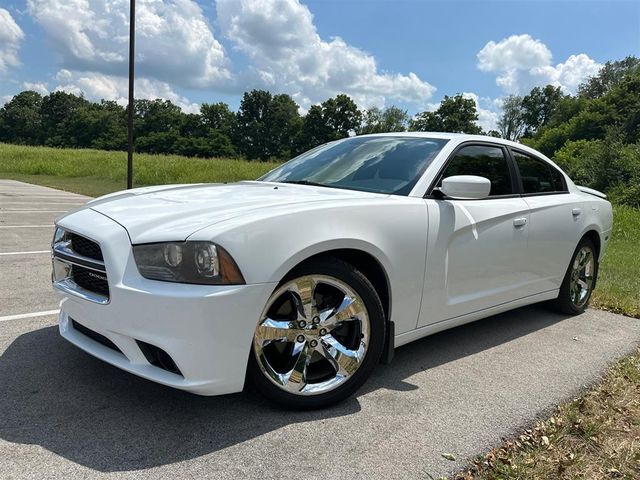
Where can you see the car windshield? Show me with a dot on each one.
(382, 164)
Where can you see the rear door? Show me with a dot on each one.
(556, 219)
(476, 248)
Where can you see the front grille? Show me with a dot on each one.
(86, 247)
(90, 280)
(78, 267)
(95, 336)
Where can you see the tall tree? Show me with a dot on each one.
(454, 114)
(395, 119)
(391, 119)
(335, 118)
(57, 111)
(341, 115)
(217, 116)
(610, 75)
(371, 121)
(267, 126)
(249, 134)
(539, 106)
(157, 126)
(314, 131)
(427, 122)
(156, 116)
(20, 119)
(98, 125)
(218, 122)
(113, 133)
(511, 124)
(283, 127)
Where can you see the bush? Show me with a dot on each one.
(607, 165)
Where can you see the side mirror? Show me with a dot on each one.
(466, 187)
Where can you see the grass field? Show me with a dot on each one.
(618, 287)
(95, 172)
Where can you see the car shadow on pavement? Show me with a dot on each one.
(56, 396)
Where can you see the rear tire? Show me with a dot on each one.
(320, 336)
(579, 280)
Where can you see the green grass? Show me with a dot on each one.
(95, 172)
(618, 286)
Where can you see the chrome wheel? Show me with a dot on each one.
(313, 335)
(582, 274)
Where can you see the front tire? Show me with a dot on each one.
(319, 337)
(579, 280)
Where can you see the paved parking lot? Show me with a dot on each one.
(67, 415)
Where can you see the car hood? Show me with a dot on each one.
(173, 213)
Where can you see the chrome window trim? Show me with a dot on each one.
(477, 143)
(563, 175)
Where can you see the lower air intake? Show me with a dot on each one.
(95, 336)
(158, 357)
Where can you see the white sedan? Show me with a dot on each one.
(304, 280)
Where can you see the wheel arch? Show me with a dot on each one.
(594, 236)
(370, 266)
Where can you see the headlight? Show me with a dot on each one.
(187, 262)
(60, 235)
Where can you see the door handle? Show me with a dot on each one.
(519, 222)
(576, 211)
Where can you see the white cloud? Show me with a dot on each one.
(575, 70)
(487, 118)
(11, 35)
(288, 55)
(97, 86)
(520, 52)
(174, 41)
(523, 62)
(39, 87)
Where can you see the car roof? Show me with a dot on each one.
(461, 137)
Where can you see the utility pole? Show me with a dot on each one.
(132, 41)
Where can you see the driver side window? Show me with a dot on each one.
(483, 161)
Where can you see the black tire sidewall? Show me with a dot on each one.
(564, 298)
(358, 282)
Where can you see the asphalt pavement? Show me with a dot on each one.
(67, 415)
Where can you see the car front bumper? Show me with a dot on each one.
(206, 330)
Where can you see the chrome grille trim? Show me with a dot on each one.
(64, 252)
(65, 260)
(71, 287)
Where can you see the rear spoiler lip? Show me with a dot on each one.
(591, 191)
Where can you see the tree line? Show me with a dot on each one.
(266, 126)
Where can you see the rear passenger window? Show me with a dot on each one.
(483, 161)
(537, 175)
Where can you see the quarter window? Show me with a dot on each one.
(538, 176)
(482, 161)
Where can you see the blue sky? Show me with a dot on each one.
(409, 53)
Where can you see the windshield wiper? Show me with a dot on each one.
(305, 182)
